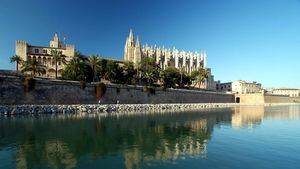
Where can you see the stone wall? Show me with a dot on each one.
(255, 98)
(69, 92)
(261, 98)
(278, 99)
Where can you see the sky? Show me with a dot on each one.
(252, 40)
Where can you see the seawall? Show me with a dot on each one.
(53, 92)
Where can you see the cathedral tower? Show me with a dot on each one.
(137, 52)
(129, 48)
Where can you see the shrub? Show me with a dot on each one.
(149, 90)
(82, 84)
(100, 90)
(118, 90)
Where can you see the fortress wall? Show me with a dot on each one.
(255, 98)
(260, 98)
(69, 92)
(278, 99)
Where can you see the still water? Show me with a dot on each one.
(239, 137)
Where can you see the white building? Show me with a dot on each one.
(239, 86)
(287, 92)
(243, 87)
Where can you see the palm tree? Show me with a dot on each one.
(34, 67)
(17, 59)
(94, 62)
(182, 71)
(74, 69)
(149, 76)
(57, 56)
(199, 76)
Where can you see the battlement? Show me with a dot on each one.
(70, 46)
(21, 42)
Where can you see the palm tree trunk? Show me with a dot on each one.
(93, 73)
(17, 66)
(55, 69)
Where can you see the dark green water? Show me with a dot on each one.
(241, 137)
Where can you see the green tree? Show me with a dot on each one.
(103, 68)
(150, 71)
(114, 72)
(198, 76)
(129, 72)
(94, 62)
(16, 59)
(58, 57)
(74, 70)
(169, 77)
(34, 67)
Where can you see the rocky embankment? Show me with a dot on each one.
(111, 108)
(102, 108)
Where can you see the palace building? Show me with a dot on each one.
(43, 54)
(188, 61)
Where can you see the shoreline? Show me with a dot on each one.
(8, 110)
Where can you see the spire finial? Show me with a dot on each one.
(131, 34)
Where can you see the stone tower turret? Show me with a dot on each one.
(21, 49)
(137, 52)
(55, 42)
(129, 48)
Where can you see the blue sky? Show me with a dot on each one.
(245, 39)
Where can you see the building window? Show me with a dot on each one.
(36, 50)
(44, 51)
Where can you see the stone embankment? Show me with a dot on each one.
(114, 108)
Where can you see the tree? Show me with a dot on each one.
(129, 72)
(57, 56)
(114, 72)
(169, 77)
(150, 71)
(34, 67)
(198, 76)
(16, 59)
(74, 70)
(94, 62)
(103, 68)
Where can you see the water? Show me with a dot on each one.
(240, 137)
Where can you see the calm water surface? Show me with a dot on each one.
(240, 137)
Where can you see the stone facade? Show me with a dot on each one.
(224, 87)
(43, 54)
(186, 61)
(69, 92)
(287, 92)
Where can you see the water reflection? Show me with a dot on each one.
(136, 140)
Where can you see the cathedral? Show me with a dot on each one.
(187, 61)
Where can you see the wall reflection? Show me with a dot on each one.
(68, 141)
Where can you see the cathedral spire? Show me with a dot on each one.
(137, 42)
(131, 36)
